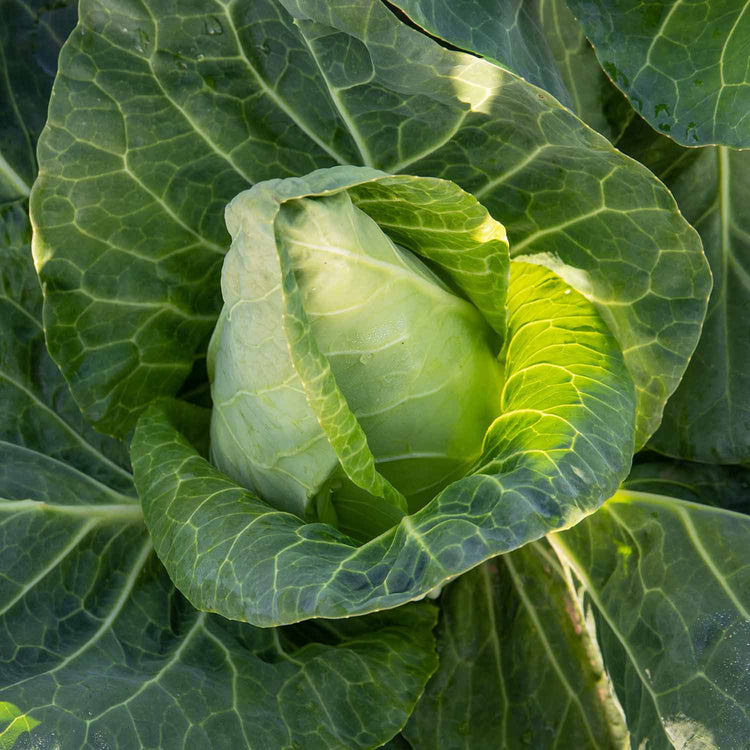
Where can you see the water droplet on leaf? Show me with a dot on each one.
(213, 26)
(141, 41)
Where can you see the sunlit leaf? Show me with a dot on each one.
(508, 34)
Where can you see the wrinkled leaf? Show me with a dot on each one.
(516, 667)
(130, 227)
(682, 65)
(708, 417)
(669, 582)
(36, 409)
(557, 451)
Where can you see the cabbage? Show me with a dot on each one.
(415, 361)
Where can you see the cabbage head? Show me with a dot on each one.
(405, 377)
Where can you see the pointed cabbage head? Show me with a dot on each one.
(352, 379)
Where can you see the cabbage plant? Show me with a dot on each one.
(374, 374)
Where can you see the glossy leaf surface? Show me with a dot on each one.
(594, 98)
(508, 34)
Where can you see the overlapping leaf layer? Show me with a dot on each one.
(556, 452)
(130, 224)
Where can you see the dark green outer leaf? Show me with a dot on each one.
(682, 65)
(506, 33)
(31, 33)
(36, 408)
(670, 584)
(102, 650)
(708, 417)
(130, 233)
(515, 666)
(558, 450)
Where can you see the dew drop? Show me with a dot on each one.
(213, 26)
(141, 41)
